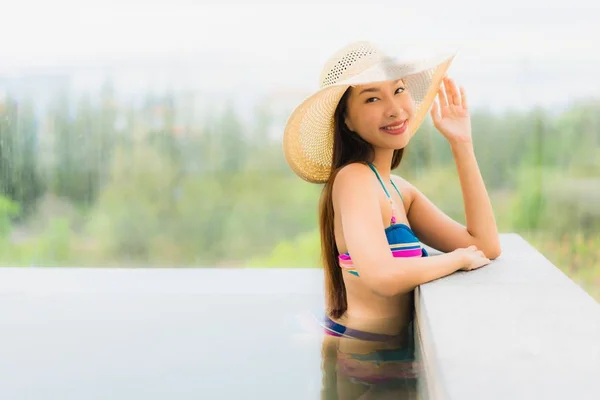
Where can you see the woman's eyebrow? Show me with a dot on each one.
(372, 89)
(369, 90)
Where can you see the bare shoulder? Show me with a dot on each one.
(355, 199)
(350, 178)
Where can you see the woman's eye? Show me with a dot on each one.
(372, 99)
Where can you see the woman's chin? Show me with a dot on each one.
(400, 144)
(393, 143)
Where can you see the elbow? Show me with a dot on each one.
(489, 246)
(493, 252)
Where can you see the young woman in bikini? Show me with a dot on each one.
(350, 135)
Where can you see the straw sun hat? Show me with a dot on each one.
(308, 134)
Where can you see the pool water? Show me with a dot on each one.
(151, 344)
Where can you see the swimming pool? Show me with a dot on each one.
(159, 333)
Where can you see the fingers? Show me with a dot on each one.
(435, 112)
(463, 96)
(452, 92)
(442, 96)
(449, 91)
(479, 259)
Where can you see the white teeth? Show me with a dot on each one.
(391, 128)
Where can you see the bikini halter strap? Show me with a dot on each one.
(386, 191)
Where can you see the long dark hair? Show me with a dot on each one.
(348, 147)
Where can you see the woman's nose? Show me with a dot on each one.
(394, 109)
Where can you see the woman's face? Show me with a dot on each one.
(380, 113)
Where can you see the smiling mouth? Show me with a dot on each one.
(396, 129)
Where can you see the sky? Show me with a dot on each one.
(512, 54)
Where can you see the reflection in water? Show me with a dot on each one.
(358, 364)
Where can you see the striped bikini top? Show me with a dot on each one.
(402, 240)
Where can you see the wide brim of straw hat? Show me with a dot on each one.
(308, 134)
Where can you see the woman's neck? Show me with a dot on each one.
(383, 162)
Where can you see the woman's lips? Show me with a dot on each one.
(397, 129)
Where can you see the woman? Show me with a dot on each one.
(350, 135)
